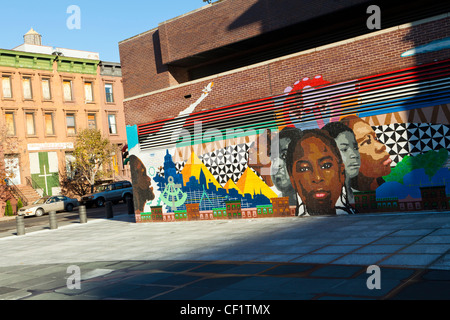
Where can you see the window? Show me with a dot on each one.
(46, 92)
(29, 118)
(49, 126)
(92, 123)
(67, 87)
(70, 121)
(109, 92)
(70, 164)
(127, 184)
(10, 124)
(112, 124)
(6, 84)
(89, 96)
(27, 92)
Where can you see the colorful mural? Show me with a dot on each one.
(370, 145)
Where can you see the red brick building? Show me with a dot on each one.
(259, 47)
(246, 56)
(192, 210)
(434, 197)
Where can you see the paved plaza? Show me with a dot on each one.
(310, 258)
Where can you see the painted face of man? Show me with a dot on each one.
(348, 147)
(317, 176)
(280, 176)
(144, 180)
(375, 160)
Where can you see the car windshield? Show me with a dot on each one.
(102, 188)
(40, 201)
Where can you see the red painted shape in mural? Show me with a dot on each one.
(306, 85)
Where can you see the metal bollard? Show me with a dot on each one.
(82, 212)
(109, 210)
(130, 206)
(20, 224)
(52, 220)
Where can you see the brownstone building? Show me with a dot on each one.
(48, 95)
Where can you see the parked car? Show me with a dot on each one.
(114, 192)
(46, 204)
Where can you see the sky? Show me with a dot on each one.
(102, 24)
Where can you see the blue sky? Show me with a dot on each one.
(103, 23)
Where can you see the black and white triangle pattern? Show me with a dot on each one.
(224, 164)
(227, 163)
(403, 139)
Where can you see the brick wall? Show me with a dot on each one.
(231, 21)
(353, 59)
(142, 69)
(145, 57)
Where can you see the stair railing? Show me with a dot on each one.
(32, 183)
(16, 191)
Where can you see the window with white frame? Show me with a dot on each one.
(67, 90)
(6, 86)
(109, 92)
(88, 91)
(27, 90)
(112, 123)
(46, 91)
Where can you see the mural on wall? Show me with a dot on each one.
(350, 149)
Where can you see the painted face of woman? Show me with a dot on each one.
(375, 160)
(317, 176)
(349, 149)
(280, 176)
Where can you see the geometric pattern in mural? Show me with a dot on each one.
(403, 139)
(227, 163)
(224, 164)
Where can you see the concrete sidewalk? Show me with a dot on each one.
(263, 259)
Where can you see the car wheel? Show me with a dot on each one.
(39, 212)
(127, 197)
(100, 202)
(69, 207)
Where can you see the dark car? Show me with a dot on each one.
(114, 192)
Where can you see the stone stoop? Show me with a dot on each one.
(31, 194)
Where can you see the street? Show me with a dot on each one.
(8, 227)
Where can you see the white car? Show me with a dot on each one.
(47, 204)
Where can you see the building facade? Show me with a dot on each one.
(48, 95)
(221, 84)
